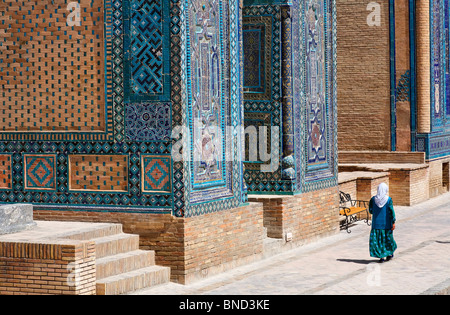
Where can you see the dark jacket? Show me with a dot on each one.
(382, 218)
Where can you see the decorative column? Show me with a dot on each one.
(286, 68)
(423, 65)
(402, 77)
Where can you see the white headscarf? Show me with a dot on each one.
(381, 198)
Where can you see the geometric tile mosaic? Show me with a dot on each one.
(316, 89)
(317, 113)
(98, 172)
(156, 173)
(437, 143)
(207, 105)
(5, 172)
(40, 172)
(146, 46)
(262, 42)
(262, 122)
(146, 50)
(293, 49)
(148, 122)
(210, 51)
(252, 57)
(257, 45)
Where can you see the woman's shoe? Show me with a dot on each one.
(389, 257)
(381, 260)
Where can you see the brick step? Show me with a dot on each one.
(124, 262)
(116, 244)
(96, 232)
(121, 267)
(133, 280)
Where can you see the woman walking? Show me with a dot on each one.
(382, 244)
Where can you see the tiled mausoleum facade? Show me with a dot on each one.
(393, 92)
(136, 111)
(207, 127)
(289, 84)
(88, 111)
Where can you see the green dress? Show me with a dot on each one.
(382, 243)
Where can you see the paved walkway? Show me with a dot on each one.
(341, 264)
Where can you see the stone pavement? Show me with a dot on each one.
(341, 264)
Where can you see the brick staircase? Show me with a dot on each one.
(121, 267)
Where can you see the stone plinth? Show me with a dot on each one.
(15, 218)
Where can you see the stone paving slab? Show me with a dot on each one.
(15, 218)
(341, 264)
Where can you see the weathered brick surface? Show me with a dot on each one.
(363, 77)
(307, 216)
(409, 187)
(348, 185)
(367, 187)
(373, 157)
(55, 75)
(221, 240)
(408, 183)
(47, 268)
(423, 66)
(439, 176)
(201, 246)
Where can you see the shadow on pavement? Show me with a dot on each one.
(358, 261)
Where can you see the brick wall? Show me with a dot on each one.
(408, 187)
(439, 176)
(273, 214)
(371, 157)
(222, 240)
(316, 215)
(201, 246)
(307, 216)
(419, 185)
(47, 268)
(367, 187)
(408, 183)
(423, 66)
(349, 187)
(363, 77)
(435, 178)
